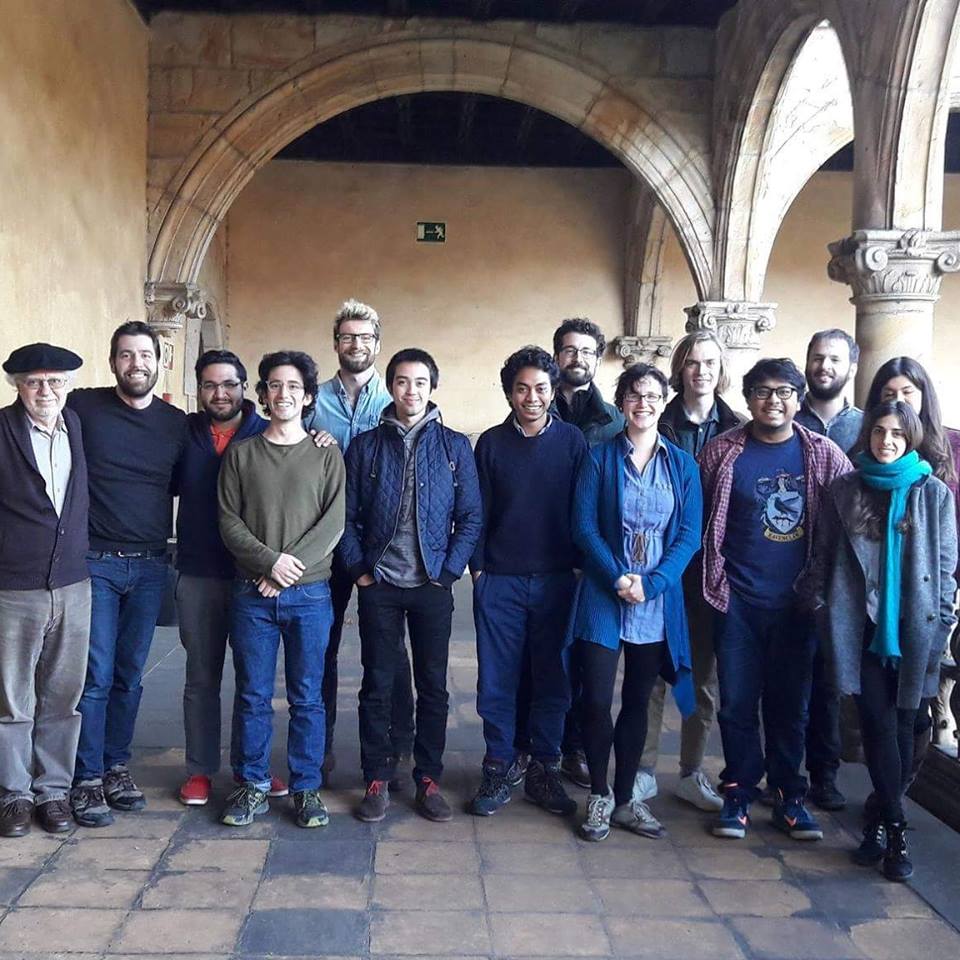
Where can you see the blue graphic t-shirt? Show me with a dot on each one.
(765, 542)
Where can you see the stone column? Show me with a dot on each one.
(178, 311)
(737, 325)
(652, 349)
(895, 276)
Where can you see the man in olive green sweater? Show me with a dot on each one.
(281, 514)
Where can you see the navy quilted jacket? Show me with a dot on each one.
(449, 514)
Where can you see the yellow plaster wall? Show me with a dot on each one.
(73, 98)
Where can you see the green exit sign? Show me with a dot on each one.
(431, 231)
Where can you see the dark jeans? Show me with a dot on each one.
(401, 726)
(125, 598)
(301, 616)
(428, 611)
(823, 726)
(763, 655)
(642, 663)
(520, 617)
(887, 734)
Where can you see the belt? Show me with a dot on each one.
(131, 554)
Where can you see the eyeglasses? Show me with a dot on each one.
(54, 383)
(347, 338)
(275, 386)
(765, 393)
(648, 398)
(210, 387)
(588, 353)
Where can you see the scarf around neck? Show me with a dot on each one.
(897, 478)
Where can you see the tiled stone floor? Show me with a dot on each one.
(173, 882)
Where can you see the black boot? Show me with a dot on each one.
(873, 846)
(896, 863)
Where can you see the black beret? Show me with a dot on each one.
(41, 356)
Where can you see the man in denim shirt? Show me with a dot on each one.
(348, 404)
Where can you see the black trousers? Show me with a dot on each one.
(401, 727)
(887, 734)
(642, 664)
(428, 613)
(823, 744)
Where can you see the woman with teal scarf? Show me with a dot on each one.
(883, 583)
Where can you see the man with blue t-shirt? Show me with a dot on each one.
(762, 485)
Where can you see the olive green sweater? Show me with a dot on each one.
(281, 499)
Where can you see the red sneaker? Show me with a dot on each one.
(278, 788)
(195, 791)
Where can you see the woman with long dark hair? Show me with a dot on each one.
(883, 582)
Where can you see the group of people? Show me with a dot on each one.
(761, 567)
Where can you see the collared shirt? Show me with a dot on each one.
(51, 450)
(691, 436)
(539, 433)
(843, 429)
(648, 504)
(334, 413)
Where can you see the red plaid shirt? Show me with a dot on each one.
(823, 462)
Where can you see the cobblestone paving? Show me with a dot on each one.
(172, 882)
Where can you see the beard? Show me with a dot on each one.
(138, 388)
(225, 415)
(576, 376)
(829, 392)
(357, 364)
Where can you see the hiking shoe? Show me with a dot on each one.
(734, 818)
(825, 795)
(518, 769)
(896, 861)
(120, 790)
(278, 788)
(310, 809)
(89, 805)
(15, 818)
(195, 790)
(696, 789)
(872, 846)
(574, 767)
(430, 802)
(543, 786)
(637, 818)
(373, 806)
(596, 826)
(793, 818)
(245, 803)
(493, 792)
(644, 786)
(55, 816)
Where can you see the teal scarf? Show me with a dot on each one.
(897, 477)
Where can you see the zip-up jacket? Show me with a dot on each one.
(448, 511)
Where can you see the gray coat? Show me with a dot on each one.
(835, 586)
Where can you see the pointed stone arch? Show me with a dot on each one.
(653, 143)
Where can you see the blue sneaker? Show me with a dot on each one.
(793, 818)
(734, 818)
(493, 792)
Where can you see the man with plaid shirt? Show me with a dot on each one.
(762, 483)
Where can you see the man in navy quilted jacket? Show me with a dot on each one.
(413, 520)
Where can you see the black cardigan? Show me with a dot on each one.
(38, 549)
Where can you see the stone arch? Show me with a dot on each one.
(461, 58)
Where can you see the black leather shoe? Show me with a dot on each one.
(55, 816)
(15, 818)
(825, 795)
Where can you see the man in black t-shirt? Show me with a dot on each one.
(132, 440)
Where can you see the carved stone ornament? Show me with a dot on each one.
(736, 323)
(633, 350)
(171, 305)
(894, 264)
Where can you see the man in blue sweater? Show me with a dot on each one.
(523, 573)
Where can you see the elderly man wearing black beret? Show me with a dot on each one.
(44, 590)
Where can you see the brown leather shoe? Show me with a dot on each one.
(15, 818)
(55, 816)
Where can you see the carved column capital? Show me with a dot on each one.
(894, 264)
(171, 305)
(736, 323)
(633, 350)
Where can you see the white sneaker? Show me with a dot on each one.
(644, 786)
(697, 789)
(597, 824)
(637, 818)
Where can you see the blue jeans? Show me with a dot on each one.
(521, 618)
(126, 594)
(763, 655)
(301, 616)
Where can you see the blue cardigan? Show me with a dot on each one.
(598, 531)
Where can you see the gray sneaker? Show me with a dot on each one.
(245, 803)
(637, 818)
(89, 805)
(596, 826)
(120, 790)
